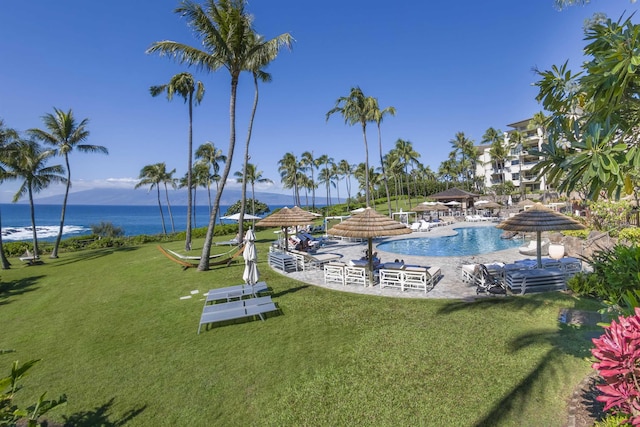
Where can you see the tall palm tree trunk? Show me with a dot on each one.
(384, 172)
(166, 194)
(187, 242)
(195, 204)
(164, 229)
(366, 161)
(208, 240)
(3, 257)
(32, 209)
(243, 199)
(54, 253)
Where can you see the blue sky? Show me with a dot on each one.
(446, 67)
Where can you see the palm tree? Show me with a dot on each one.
(289, 169)
(346, 169)
(407, 156)
(516, 139)
(497, 151)
(253, 175)
(326, 175)
(229, 41)
(184, 85)
(464, 146)
(378, 115)
(153, 176)
(256, 66)
(356, 108)
(309, 163)
(65, 134)
(28, 161)
(8, 137)
(168, 179)
(202, 177)
(212, 157)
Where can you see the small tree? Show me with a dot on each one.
(106, 229)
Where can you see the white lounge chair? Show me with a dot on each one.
(531, 248)
(212, 313)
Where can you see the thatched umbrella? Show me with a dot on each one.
(286, 217)
(367, 225)
(539, 218)
(525, 202)
(490, 205)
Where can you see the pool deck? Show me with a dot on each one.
(449, 286)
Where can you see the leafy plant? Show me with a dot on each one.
(10, 413)
(630, 235)
(107, 229)
(618, 355)
(615, 272)
(581, 234)
(609, 215)
(261, 208)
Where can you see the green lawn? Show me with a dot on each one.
(115, 337)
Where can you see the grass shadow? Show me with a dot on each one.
(289, 291)
(17, 287)
(100, 417)
(93, 254)
(567, 339)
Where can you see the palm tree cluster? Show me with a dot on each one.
(23, 158)
(226, 40)
(400, 166)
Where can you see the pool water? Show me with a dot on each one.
(467, 241)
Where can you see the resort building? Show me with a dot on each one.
(517, 163)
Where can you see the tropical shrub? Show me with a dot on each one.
(107, 229)
(580, 234)
(608, 215)
(616, 271)
(587, 284)
(261, 208)
(618, 362)
(630, 235)
(10, 413)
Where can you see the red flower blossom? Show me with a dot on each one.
(618, 354)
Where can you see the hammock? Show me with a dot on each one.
(193, 261)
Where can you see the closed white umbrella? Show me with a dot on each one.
(250, 255)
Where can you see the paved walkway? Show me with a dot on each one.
(450, 284)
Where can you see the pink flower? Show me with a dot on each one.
(618, 354)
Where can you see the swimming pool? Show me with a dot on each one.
(467, 241)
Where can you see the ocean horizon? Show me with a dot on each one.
(134, 220)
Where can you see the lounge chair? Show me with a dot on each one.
(29, 258)
(212, 313)
(235, 292)
(531, 248)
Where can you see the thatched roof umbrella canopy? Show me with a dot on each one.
(286, 217)
(367, 225)
(525, 202)
(539, 218)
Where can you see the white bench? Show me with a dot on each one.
(334, 272)
(355, 275)
(410, 277)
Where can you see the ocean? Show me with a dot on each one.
(134, 220)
